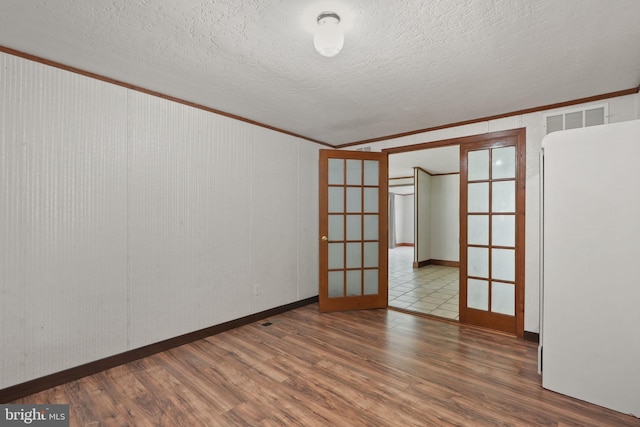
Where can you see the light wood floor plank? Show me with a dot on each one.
(366, 368)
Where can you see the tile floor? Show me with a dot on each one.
(431, 290)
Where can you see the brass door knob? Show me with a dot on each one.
(325, 238)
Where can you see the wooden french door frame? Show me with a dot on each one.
(520, 136)
(486, 318)
(356, 222)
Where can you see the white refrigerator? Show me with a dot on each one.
(590, 311)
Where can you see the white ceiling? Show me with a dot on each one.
(433, 160)
(405, 65)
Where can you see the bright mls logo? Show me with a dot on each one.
(36, 415)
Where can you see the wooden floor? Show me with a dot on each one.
(368, 368)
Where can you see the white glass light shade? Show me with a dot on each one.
(328, 38)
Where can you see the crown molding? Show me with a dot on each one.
(616, 94)
(75, 70)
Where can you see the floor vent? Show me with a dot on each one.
(270, 322)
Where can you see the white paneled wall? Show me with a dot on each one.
(443, 227)
(445, 217)
(308, 221)
(63, 229)
(404, 214)
(127, 219)
(189, 186)
(422, 216)
(621, 109)
(274, 224)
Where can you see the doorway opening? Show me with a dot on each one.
(424, 231)
(490, 245)
(490, 225)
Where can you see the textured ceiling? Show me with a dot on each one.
(433, 160)
(405, 65)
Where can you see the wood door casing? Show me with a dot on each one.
(519, 137)
(365, 299)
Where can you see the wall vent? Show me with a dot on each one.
(364, 148)
(573, 119)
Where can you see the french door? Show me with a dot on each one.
(492, 180)
(353, 230)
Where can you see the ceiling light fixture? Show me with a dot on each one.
(328, 38)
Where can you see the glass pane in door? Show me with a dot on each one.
(503, 230)
(371, 254)
(371, 282)
(503, 196)
(336, 255)
(336, 199)
(336, 171)
(336, 284)
(371, 171)
(354, 172)
(354, 282)
(336, 227)
(371, 200)
(503, 264)
(503, 162)
(478, 197)
(478, 229)
(478, 165)
(503, 298)
(371, 227)
(478, 294)
(478, 262)
(354, 227)
(354, 199)
(354, 255)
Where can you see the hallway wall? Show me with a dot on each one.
(445, 217)
(404, 218)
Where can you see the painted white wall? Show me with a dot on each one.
(445, 217)
(404, 218)
(621, 109)
(398, 215)
(422, 216)
(128, 219)
(63, 220)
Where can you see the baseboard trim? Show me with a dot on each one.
(531, 336)
(39, 384)
(445, 263)
(421, 264)
(405, 244)
(424, 263)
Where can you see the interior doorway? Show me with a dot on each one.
(423, 263)
(490, 225)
